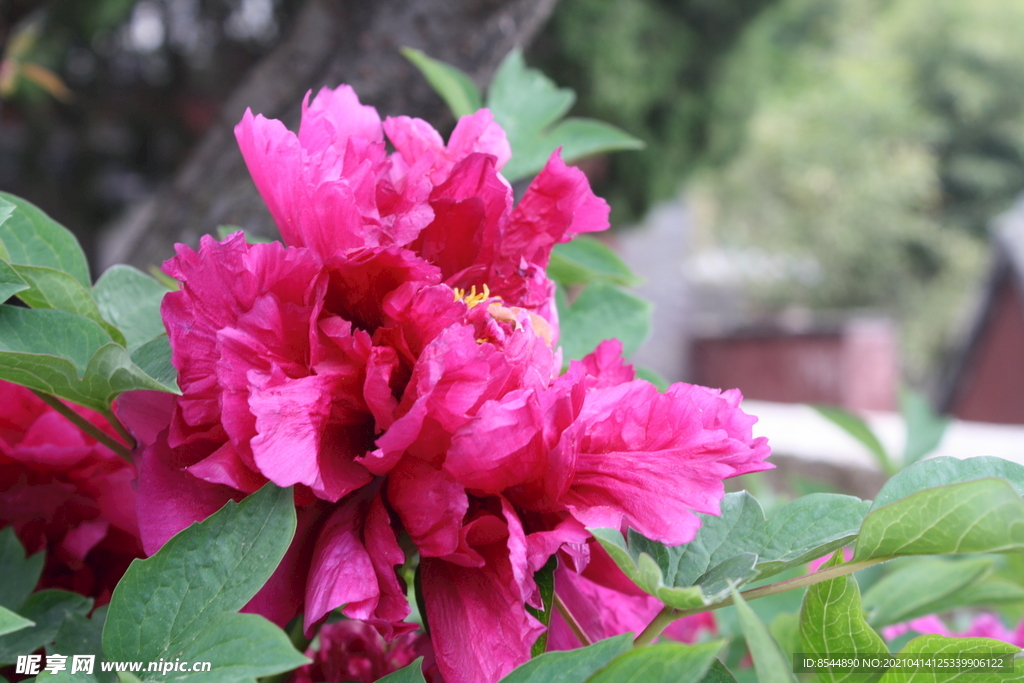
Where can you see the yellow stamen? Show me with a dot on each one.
(472, 298)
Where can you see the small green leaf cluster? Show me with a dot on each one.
(941, 506)
(531, 109)
(181, 604)
(74, 340)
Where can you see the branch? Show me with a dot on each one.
(86, 426)
(670, 614)
(570, 619)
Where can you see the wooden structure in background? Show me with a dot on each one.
(854, 364)
(985, 382)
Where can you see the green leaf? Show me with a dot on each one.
(154, 359)
(545, 580)
(66, 676)
(453, 85)
(585, 260)
(804, 529)
(20, 574)
(32, 238)
(10, 282)
(718, 673)
(914, 589)
(570, 666)
(240, 647)
(178, 603)
(130, 300)
(831, 622)
(941, 646)
(785, 629)
(601, 312)
(225, 230)
(410, 674)
(579, 138)
(991, 591)
(528, 105)
(946, 470)
(79, 635)
(66, 355)
(925, 428)
(662, 663)
(6, 209)
(982, 516)
(525, 101)
(858, 429)
(645, 573)
(47, 609)
(50, 288)
(11, 622)
(770, 664)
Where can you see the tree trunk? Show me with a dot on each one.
(330, 42)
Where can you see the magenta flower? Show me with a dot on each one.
(396, 364)
(65, 493)
(355, 651)
(984, 625)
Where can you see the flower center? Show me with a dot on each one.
(472, 298)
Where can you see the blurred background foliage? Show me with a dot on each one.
(879, 138)
(871, 139)
(135, 84)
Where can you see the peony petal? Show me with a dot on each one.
(430, 505)
(224, 466)
(172, 498)
(145, 413)
(653, 460)
(558, 204)
(280, 598)
(478, 624)
(341, 571)
(479, 133)
(334, 116)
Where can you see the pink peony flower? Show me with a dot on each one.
(66, 494)
(355, 651)
(396, 364)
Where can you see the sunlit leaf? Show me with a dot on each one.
(832, 623)
(981, 516)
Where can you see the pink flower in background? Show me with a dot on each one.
(815, 565)
(396, 364)
(64, 493)
(984, 625)
(355, 651)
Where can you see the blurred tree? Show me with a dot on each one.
(877, 138)
(142, 81)
(648, 66)
(156, 86)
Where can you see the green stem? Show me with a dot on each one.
(119, 428)
(86, 426)
(570, 619)
(670, 614)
